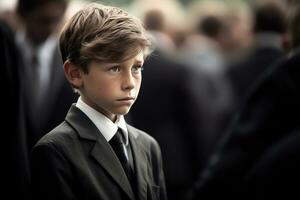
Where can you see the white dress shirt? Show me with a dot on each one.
(104, 124)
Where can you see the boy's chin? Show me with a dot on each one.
(122, 111)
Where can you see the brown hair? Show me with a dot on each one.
(104, 34)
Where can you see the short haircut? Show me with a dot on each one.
(104, 34)
(154, 20)
(211, 26)
(270, 17)
(27, 6)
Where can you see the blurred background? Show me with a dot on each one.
(203, 66)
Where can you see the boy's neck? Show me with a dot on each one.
(112, 117)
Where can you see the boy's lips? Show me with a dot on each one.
(127, 99)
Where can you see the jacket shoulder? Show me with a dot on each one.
(60, 135)
(148, 143)
(140, 134)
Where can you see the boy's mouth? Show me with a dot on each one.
(126, 99)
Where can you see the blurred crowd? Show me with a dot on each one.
(212, 91)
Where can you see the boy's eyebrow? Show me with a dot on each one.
(139, 62)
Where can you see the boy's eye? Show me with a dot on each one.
(137, 69)
(115, 69)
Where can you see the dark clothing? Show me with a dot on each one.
(268, 115)
(55, 104)
(277, 172)
(14, 154)
(165, 108)
(74, 161)
(244, 75)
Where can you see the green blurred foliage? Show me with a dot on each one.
(187, 2)
(128, 2)
(114, 2)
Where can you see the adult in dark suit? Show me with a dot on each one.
(267, 117)
(13, 148)
(277, 172)
(79, 159)
(47, 94)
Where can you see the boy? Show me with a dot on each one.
(103, 50)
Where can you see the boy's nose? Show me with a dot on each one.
(128, 81)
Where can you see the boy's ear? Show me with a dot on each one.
(73, 74)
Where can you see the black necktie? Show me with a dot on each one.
(32, 91)
(34, 64)
(117, 143)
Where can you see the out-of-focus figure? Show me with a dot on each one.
(203, 52)
(270, 40)
(14, 154)
(47, 95)
(241, 166)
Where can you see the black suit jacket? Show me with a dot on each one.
(14, 154)
(74, 161)
(244, 75)
(268, 115)
(278, 169)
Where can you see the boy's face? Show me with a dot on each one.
(112, 88)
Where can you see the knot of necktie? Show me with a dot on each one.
(117, 143)
(117, 138)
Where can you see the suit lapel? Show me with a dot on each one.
(102, 152)
(140, 163)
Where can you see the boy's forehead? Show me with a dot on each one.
(139, 58)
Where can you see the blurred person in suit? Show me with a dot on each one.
(202, 52)
(14, 154)
(269, 45)
(265, 118)
(156, 25)
(47, 95)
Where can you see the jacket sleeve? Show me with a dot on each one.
(51, 174)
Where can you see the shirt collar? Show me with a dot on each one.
(106, 127)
